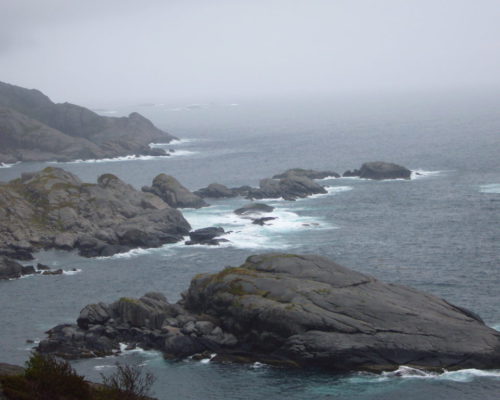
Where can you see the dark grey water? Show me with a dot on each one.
(439, 233)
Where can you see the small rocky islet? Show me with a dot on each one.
(288, 310)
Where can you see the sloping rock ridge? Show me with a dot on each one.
(33, 128)
(54, 209)
(173, 193)
(289, 309)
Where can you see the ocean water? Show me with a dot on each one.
(438, 232)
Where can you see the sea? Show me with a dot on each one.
(438, 232)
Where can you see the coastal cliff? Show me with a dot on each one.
(33, 128)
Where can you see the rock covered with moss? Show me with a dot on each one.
(54, 209)
(293, 310)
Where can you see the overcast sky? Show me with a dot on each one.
(127, 51)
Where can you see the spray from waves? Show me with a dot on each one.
(72, 272)
(493, 188)
(175, 142)
(421, 173)
(146, 355)
(406, 372)
(139, 252)
(496, 327)
(243, 234)
(178, 153)
(2, 165)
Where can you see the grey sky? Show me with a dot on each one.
(125, 51)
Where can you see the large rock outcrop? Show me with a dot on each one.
(173, 193)
(290, 188)
(54, 209)
(380, 170)
(292, 310)
(33, 128)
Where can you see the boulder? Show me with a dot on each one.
(93, 314)
(10, 269)
(206, 236)
(253, 208)
(308, 173)
(173, 193)
(215, 191)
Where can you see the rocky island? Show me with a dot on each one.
(53, 208)
(294, 310)
(33, 128)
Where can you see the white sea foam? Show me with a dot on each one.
(246, 235)
(179, 141)
(207, 360)
(72, 272)
(2, 165)
(177, 153)
(421, 173)
(493, 188)
(496, 327)
(463, 375)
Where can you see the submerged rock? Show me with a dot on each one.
(206, 236)
(295, 310)
(254, 208)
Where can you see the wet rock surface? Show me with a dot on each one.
(292, 310)
(253, 208)
(207, 236)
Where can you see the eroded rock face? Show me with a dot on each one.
(291, 310)
(54, 209)
(173, 193)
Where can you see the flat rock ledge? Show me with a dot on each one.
(292, 310)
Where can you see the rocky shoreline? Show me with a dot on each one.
(53, 209)
(33, 128)
(291, 310)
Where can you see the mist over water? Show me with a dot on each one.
(438, 232)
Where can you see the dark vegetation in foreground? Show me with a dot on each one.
(47, 378)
